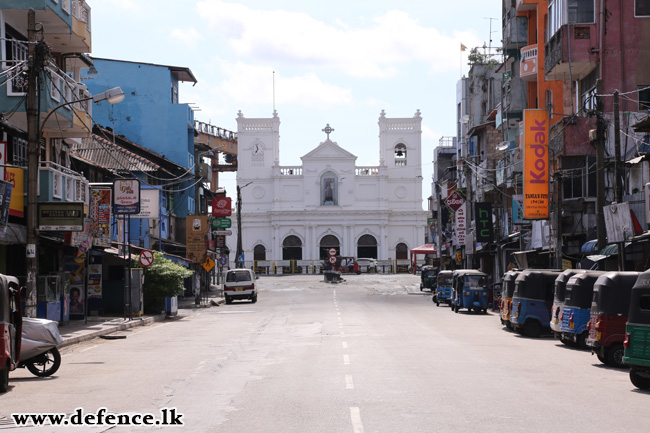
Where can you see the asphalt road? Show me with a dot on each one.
(371, 354)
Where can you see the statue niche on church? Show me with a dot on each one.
(328, 192)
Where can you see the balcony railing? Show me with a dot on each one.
(81, 11)
(291, 171)
(367, 171)
(528, 64)
(58, 183)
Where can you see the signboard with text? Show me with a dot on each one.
(126, 196)
(483, 221)
(61, 217)
(221, 206)
(536, 172)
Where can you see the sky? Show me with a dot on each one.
(316, 62)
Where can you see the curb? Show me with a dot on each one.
(112, 328)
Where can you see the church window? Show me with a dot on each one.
(400, 155)
(329, 189)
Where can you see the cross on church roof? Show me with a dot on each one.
(328, 130)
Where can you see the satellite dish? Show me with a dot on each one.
(465, 118)
(503, 145)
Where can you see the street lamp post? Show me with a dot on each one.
(239, 253)
(35, 133)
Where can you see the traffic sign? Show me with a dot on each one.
(332, 251)
(146, 258)
(221, 223)
(240, 259)
(208, 264)
(332, 259)
(221, 232)
(223, 260)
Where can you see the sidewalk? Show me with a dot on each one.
(77, 331)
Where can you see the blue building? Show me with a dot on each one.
(150, 114)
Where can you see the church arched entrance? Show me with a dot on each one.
(367, 247)
(327, 242)
(401, 251)
(259, 252)
(292, 248)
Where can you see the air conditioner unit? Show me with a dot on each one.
(513, 123)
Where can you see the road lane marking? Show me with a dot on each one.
(344, 344)
(346, 359)
(355, 416)
(348, 382)
(88, 348)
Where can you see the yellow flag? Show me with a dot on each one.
(462, 47)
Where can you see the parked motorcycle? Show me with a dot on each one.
(38, 352)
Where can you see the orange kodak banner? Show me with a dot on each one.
(536, 175)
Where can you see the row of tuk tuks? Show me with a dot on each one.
(606, 312)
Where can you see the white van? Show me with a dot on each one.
(240, 284)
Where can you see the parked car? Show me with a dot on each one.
(428, 278)
(507, 289)
(469, 290)
(367, 265)
(442, 293)
(577, 308)
(558, 300)
(240, 284)
(637, 333)
(609, 310)
(532, 301)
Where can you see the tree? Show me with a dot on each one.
(163, 278)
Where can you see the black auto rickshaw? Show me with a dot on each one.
(428, 278)
(10, 328)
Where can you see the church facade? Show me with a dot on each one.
(302, 212)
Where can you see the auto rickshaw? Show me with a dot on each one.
(469, 290)
(558, 299)
(10, 328)
(428, 278)
(532, 301)
(609, 310)
(637, 333)
(507, 289)
(444, 281)
(577, 308)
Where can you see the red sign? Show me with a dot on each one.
(332, 251)
(332, 260)
(146, 258)
(221, 206)
(455, 201)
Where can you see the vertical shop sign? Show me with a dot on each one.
(536, 173)
(461, 223)
(483, 218)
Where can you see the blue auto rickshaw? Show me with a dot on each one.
(558, 299)
(577, 308)
(532, 301)
(444, 282)
(469, 290)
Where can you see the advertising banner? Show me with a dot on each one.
(536, 172)
(5, 203)
(16, 177)
(100, 213)
(221, 206)
(62, 217)
(518, 209)
(483, 218)
(149, 204)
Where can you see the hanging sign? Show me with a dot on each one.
(536, 172)
(483, 219)
(221, 206)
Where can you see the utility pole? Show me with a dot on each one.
(33, 139)
(600, 168)
(618, 178)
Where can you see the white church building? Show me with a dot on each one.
(301, 212)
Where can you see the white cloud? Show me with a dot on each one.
(190, 37)
(391, 42)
